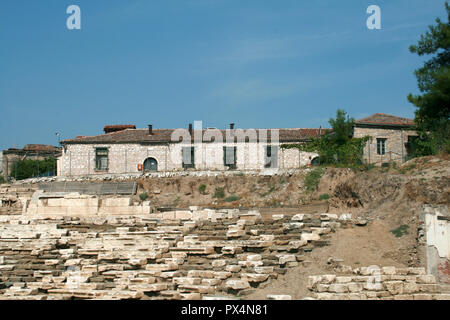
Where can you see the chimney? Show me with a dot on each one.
(190, 128)
(150, 129)
(231, 126)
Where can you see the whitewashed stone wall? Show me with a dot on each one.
(395, 143)
(124, 158)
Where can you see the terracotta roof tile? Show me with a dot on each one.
(385, 119)
(164, 136)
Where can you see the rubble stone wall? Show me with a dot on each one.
(371, 283)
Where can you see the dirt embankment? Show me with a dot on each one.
(226, 191)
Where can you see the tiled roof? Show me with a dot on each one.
(164, 136)
(118, 127)
(385, 119)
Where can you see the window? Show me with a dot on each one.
(188, 157)
(381, 146)
(229, 157)
(271, 158)
(101, 159)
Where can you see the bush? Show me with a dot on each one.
(232, 198)
(312, 179)
(324, 196)
(143, 196)
(400, 231)
(202, 188)
(219, 193)
(2, 179)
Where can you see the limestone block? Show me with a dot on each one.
(313, 281)
(410, 287)
(388, 270)
(296, 244)
(254, 257)
(276, 217)
(310, 236)
(211, 282)
(187, 281)
(298, 217)
(169, 215)
(200, 274)
(266, 270)
(183, 215)
(320, 231)
(203, 289)
(417, 271)
(343, 279)
(237, 284)
(117, 202)
(254, 277)
(55, 202)
(428, 278)
(191, 296)
(222, 275)
(218, 263)
(233, 268)
(338, 288)
(422, 296)
(278, 297)
(394, 287)
(355, 287)
(161, 267)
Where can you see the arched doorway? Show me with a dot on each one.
(150, 164)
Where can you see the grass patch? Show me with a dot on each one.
(143, 196)
(219, 193)
(202, 188)
(272, 189)
(324, 196)
(401, 231)
(312, 179)
(176, 201)
(232, 198)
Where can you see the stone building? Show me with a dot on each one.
(125, 149)
(390, 137)
(30, 151)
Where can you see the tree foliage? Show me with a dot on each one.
(338, 146)
(433, 104)
(28, 168)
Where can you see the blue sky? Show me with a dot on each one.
(258, 63)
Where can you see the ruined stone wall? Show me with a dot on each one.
(370, 283)
(79, 159)
(395, 143)
(129, 257)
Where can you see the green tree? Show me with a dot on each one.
(433, 104)
(337, 146)
(342, 127)
(24, 169)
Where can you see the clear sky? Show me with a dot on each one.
(258, 63)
